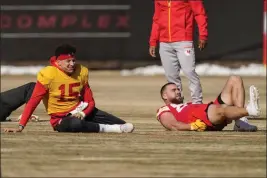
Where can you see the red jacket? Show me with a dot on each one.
(173, 21)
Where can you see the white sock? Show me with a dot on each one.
(244, 119)
(110, 128)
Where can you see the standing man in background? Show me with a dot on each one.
(173, 27)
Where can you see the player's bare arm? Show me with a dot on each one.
(168, 120)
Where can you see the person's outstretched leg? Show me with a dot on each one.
(73, 124)
(102, 117)
(14, 98)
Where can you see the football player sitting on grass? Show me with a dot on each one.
(68, 99)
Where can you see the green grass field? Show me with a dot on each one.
(149, 151)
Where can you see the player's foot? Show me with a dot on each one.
(253, 108)
(127, 128)
(116, 128)
(242, 125)
(33, 118)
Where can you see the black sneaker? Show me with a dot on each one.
(244, 127)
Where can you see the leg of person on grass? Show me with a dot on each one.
(233, 94)
(102, 117)
(73, 124)
(97, 121)
(218, 114)
(14, 98)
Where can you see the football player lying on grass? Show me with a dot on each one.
(68, 99)
(214, 116)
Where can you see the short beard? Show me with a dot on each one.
(178, 101)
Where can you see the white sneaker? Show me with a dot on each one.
(253, 108)
(127, 128)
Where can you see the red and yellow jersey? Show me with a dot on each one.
(162, 110)
(63, 91)
(60, 93)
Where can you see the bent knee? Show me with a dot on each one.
(235, 79)
(216, 114)
(220, 112)
(76, 125)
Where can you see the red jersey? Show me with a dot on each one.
(186, 112)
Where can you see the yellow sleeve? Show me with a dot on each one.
(162, 110)
(84, 74)
(46, 75)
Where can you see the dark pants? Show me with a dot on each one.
(12, 99)
(89, 124)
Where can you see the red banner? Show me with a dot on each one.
(264, 32)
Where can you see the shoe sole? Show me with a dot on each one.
(237, 129)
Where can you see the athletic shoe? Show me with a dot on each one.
(242, 125)
(253, 108)
(127, 128)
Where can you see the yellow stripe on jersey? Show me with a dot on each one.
(162, 109)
